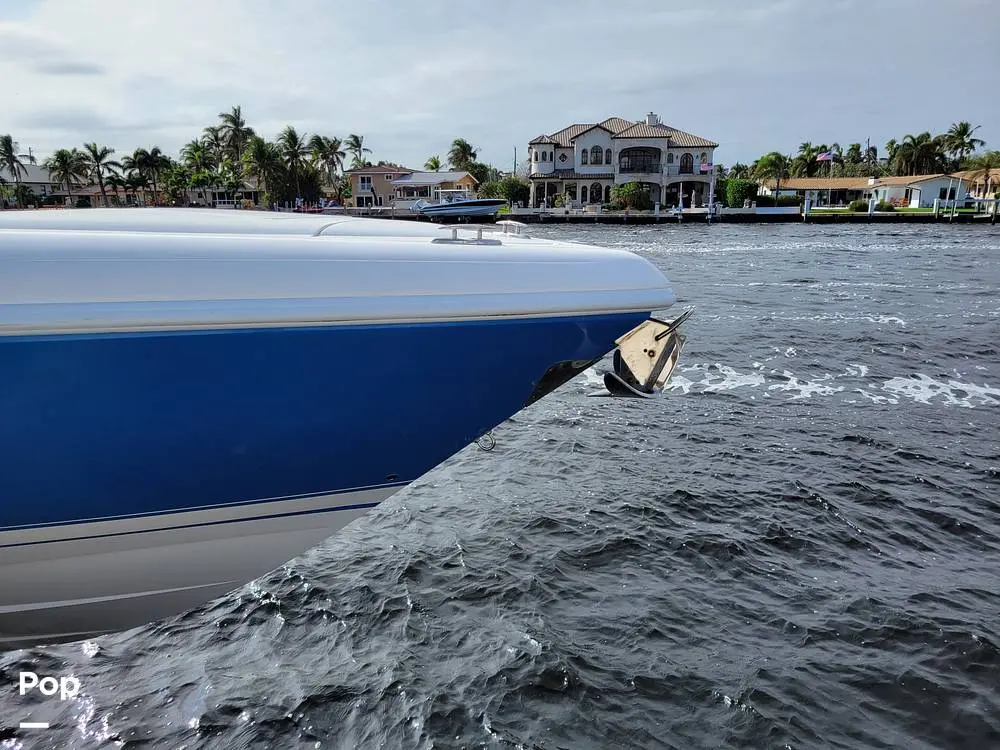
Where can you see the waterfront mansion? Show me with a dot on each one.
(582, 162)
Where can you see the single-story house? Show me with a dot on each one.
(918, 191)
(821, 191)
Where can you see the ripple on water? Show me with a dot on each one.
(797, 547)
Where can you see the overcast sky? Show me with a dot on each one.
(753, 75)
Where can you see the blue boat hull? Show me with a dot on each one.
(106, 426)
(143, 474)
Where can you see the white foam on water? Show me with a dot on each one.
(925, 389)
(808, 388)
(875, 398)
(719, 378)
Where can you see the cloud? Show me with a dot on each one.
(68, 68)
(411, 77)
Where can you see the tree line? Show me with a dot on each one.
(953, 151)
(221, 160)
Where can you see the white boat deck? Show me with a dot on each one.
(149, 269)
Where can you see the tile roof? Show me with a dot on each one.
(379, 170)
(616, 124)
(978, 174)
(851, 183)
(619, 127)
(883, 181)
(565, 136)
(677, 137)
(822, 183)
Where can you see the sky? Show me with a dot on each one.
(752, 75)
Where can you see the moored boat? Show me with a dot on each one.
(191, 398)
(458, 204)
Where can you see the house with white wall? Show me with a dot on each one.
(583, 161)
(915, 191)
(918, 191)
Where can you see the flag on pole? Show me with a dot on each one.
(825, 156)
(706, 166)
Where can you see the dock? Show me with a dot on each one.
(694, 216)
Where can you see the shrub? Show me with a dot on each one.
(788, 200)
(738, 191)
(883, 206)
(859, 206)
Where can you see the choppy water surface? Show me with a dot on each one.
(799, 547)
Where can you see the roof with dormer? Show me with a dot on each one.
(619, 127)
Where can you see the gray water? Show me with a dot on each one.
(798, 547)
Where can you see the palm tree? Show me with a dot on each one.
(294, 153)
(773, 166)
(355, 144)
(739, 171)
(804, 164)
(461, 154)
(148, 165)
(891, 146)
(919, 154)
(117, 182)
(214, 142)
(137, 182)
(234, 134)
(197, 157)
(262, 160)
(960, 141)
(329, 154)
(11, 160)
(100, 164)
(433, 164)
(987, 171)
(67, 167)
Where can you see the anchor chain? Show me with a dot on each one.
(487, 442)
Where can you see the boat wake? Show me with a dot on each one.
(853, 385)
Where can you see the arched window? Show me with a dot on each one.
(595, 191)
(583, 156)
(607, 194)
(596, 155)
(687, 164)
(607, 156)
(670, 158)
(534, 156)
(704, 157)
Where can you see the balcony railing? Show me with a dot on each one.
(636, 166)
